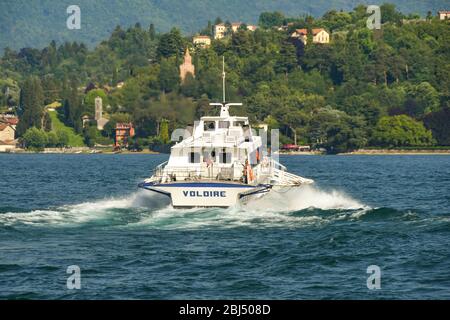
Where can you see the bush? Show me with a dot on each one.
(35, 139)
(401, 131)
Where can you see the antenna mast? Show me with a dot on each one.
(223, 78)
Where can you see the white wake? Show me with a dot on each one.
(147, 209)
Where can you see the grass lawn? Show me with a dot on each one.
(75, 140)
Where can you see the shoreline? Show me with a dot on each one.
(148, 152)
(398, 152)
(68, 152)
(373, 152)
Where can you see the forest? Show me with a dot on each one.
(367, 88)
(36, 23)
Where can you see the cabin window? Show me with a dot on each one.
(194, 157)
(225, 157)
(224, 124)
(238, 123)
(210, 125)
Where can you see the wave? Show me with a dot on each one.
(307, 197)
(92, 211)
(300, 207)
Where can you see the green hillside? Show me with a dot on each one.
(75, 140)
(35, 23)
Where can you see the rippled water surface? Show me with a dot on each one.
(309, 243)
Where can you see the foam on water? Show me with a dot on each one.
(144, 208)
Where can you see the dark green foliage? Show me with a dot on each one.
(36, 23)
(439, 123)
(271, 19)
(37, 139)
(401, 131)
(31, 108)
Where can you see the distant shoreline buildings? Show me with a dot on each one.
(220, 29)
(444, 14)
(319, 35)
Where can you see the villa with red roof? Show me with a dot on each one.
(320, 35)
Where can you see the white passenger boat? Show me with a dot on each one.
(220, 162)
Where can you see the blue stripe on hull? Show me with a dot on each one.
(198, 185)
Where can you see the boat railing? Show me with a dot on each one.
(160, 169)
(171, 174)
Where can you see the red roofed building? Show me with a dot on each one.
(7, 135)
(320, 35)
(301, 34)
(444, 15)
(124, 131)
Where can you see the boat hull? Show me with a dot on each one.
(206, 194)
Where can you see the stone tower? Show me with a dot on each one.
(98, 108)
(187, 66)
(101, 122)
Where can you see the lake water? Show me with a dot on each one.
(310, 243)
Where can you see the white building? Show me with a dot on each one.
(320, 35)
(444, 15)
(221, 29)
(202, 41)
(7, 135)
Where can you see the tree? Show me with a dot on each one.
(63, 139)
(422, 99)
(401, 131)
(439, 123)
(89, 99)
(271, 19)
(171, 44)
(52, 140)
(164, 132)
(35, 139)
(90, 136)
(31, 105)
(169, 77)
(72, 108)
(390, 14)
(189, 87)
(287, 60)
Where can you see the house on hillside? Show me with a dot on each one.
(124, 132)
(202, 41)
(319, 35)
(301, 34)
(7, 133)
(53, 106)
(220, 29)
(444, 15)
